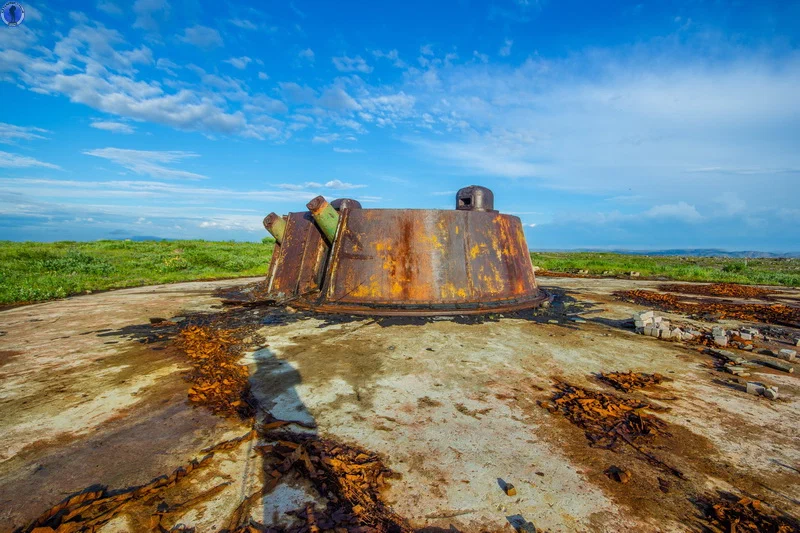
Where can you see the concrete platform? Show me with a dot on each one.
(450, 405)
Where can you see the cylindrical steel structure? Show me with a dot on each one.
(470, 260)
(428, 262)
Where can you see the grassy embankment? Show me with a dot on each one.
(33, 271)
(712, 269)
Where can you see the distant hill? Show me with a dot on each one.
(691, 252)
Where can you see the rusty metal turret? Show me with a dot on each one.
(339, 257)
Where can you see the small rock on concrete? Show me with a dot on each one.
(787, 354)
(720, 340)
(746, 336)
(755, 388)
(618, 474)
(770, 393)
(717, 331)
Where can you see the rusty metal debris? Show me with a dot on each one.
(729, 513)
(732, 290)
(605, 417)
(349, 477)
(89, 509)
(773, 313)
(608, 420)
(628, 381)
(341, 258)
(218, 381)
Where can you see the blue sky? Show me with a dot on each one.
(644, 125)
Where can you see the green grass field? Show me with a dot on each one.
(714, 269)
(32, 271)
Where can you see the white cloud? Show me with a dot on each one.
(91, 66)
(311, 185)
(8, 160)
(483, 58)
(202, 37)
(150, 163)
(505, 51)
(147, 11)
(336, 99)
(308, 53)
(239, 62)
(9, 133)
(109, 7)
(167, 66)
(263, 76)
(426, 50)
(347, 150)
(113, 127)
(392, 55)
(342, 186)
(326, 138)
(245, 24)
(351, 64)
(681, 211)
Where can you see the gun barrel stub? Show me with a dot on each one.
(276, 225)
(325, 216)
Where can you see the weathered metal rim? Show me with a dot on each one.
(450, 309)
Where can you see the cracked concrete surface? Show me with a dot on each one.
(450, 406)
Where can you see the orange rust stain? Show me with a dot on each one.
(397, 288)
(434, 240)
(499, 278)
(449, 290)
(371, 290)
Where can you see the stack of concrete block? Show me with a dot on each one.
(770, 391)
(719, 336)
(650, 324)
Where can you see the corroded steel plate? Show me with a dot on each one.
(298, 263)
(428, 262)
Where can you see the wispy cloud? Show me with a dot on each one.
(351, 64)
(148, 162)
(312, 185)
(505, 50)
(9, 160)
(9, 133)
(148, 13)
(308, 54)
(202, 37)
(239, 62)
(391, 55)
(113, 127)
